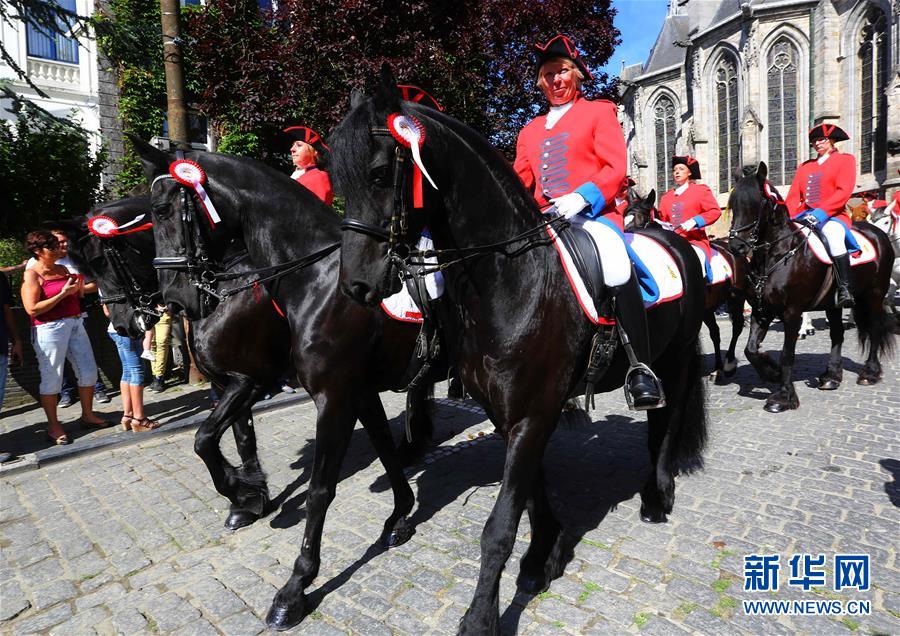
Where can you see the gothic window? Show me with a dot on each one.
(873, 65)
(664, 121)
(728, 131)
(783, 61)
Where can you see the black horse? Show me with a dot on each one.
(731, 293)
(786, 279)
(520, 338)
(344, 354)
(243, 346)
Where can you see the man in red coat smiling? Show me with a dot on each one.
(574, 158)
(818, 197)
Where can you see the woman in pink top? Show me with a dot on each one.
(50, 296)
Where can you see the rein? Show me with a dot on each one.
(134, 293)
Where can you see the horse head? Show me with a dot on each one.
(748, 203)
(403, 166)
(194, 216)
(641, 211)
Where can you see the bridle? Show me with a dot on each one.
(133, 294)
(205, 273)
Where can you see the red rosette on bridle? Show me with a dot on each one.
(190, 174)
(410, 133)
(103, 226)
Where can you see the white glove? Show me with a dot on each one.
(688, 225)
(570, 204)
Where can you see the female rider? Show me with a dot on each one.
(574, 159)
(691, 206)
(307, 149)
(818, 197)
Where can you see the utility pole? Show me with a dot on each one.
(171, 32)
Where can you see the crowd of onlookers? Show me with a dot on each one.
(53, 295)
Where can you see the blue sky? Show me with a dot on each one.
(640, 22)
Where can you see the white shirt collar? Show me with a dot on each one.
(556, 113)
(298, 173)
(680, 189)
(823, 158)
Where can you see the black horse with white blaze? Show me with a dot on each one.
(519, 337)
(786, 279)
(344, 354)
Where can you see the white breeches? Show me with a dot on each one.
(613, 256)
(834, 234)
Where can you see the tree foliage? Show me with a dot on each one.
(47, 171)
(299, 64)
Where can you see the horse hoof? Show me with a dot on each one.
(779, 406)
(400, 533)
(531, 584)
(866, 381)
(730, 368)
(282, 618)
(828, 385)
(649, 515)
(238, 519)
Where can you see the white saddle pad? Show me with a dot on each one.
(867, 255)
(401, 305)
(657, 259)
(721, 268)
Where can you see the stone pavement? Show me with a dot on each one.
(131, 541)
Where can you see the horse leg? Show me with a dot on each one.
(786, 396)
(834, 372)
(546, 557)
(736, 313)
(876, 333)
(232, 410)
(334, 427)
(709, 319)
(766, 368)
(524, 454)
(397, 529)
(253, 491)
(420, 425)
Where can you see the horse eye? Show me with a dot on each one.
(380, 176)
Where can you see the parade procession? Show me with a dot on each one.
(452, 276)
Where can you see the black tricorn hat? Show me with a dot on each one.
(827, 131)
(692, 164)
(560, 46)
(307, 135)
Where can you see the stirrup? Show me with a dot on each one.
(629, 399)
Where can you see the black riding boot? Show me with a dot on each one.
(643, 390)
(842, 278)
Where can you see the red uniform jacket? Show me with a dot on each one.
(827, 187)
(696, 202)
(584, 152)
(318, 182)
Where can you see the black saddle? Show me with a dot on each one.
(587, 259)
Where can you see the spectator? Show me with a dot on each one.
(69, 389)
(132, 383)
(50, 296)
(163, 334)
(7, 332)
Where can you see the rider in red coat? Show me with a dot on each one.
(574, 157)
(306, 151)
(691, 206)
(818, 197)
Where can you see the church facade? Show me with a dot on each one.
(741, 81)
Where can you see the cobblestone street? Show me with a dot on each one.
(130, 540)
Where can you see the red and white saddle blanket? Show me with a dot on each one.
(656, 258)
(867, 255)
(401, 305)
(721, 268)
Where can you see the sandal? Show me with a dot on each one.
(94, 425)
(144, 424)
(62, 440)
(126, 422)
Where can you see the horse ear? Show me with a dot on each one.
(154, 160)
(650, 199)
(356, 98)
(762, 171)
(387, 98)
(70, 227)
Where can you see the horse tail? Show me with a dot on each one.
(875, 328)
(689, 439)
